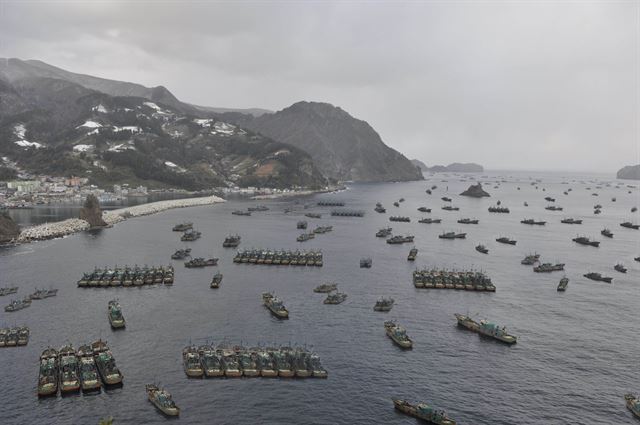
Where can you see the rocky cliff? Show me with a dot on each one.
(343, 147)
(630, 172)
(91, 212)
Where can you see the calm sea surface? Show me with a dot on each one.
(577, 352)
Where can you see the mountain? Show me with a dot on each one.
(421, 165)
(630, 172)
(60, 127)
(13, 70)
(456, 167)
(343, 147)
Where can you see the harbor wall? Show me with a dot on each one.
(74, 225)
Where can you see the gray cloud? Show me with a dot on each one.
(527, 85)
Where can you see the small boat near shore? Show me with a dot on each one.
(162, 400)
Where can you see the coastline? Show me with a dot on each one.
(298, 193)
(70, 226)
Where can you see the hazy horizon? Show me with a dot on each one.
(519, 85)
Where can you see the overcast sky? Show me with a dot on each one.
(509, 84)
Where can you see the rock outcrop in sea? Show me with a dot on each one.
(475, 191)
(9, 229)
(91, 212)
(630, 172)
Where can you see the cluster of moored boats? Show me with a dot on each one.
(127, 276)
(68, 370)
(39, 294)
(453, 279)
(279, 257)
(14, 337)
(319, 230)
(236, 361)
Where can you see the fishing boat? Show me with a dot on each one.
(337, 298)
(620, 268)
(68, 366)
(23, 335)
(452, 235)
(468, 221)
(325, 288)
(633, 404)
(483, 249)
(384, 304)
(630, 225)
(397, 334)
(114, 312)
(201, 262)
(598, 277)
(248, 362)
(48, 375)
(365, 263)
(607, 233)
(181, 227)
(231, 241)
(191, 362)
(430, 220)
(582, 240)
(216, 280)
(548, 267)
(16, 305)
(162, 400)
(181, 254)
(8, 290)
(265, 364)
(41, 294)
(106, 364)
(412, 254)
(89, 377)
(275, 305)
(423, 411)
(230, 363)
(506, 240)
(398, 239)
(211, 361)
(424, 209)
(530, 259)
(486, 328)
(531, 221)
(570, 221)
(562, 285)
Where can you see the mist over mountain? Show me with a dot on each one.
(343, 147)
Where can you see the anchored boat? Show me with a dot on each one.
(216, 280)
(115, 315)
(89, 378)
(162, 400)
(69, 380)
(191, 362)
(633, 404)
(423, 411)
(398, 334)
(486, 328)
(384, 304)
(325, 288)
(336, 298)
(275, 305)
(106, 363)
(562, 285)
(48, 375)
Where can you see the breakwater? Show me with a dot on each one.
(74, 225)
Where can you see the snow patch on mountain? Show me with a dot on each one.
(82, 148)
(90, 124)
(100, 108)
